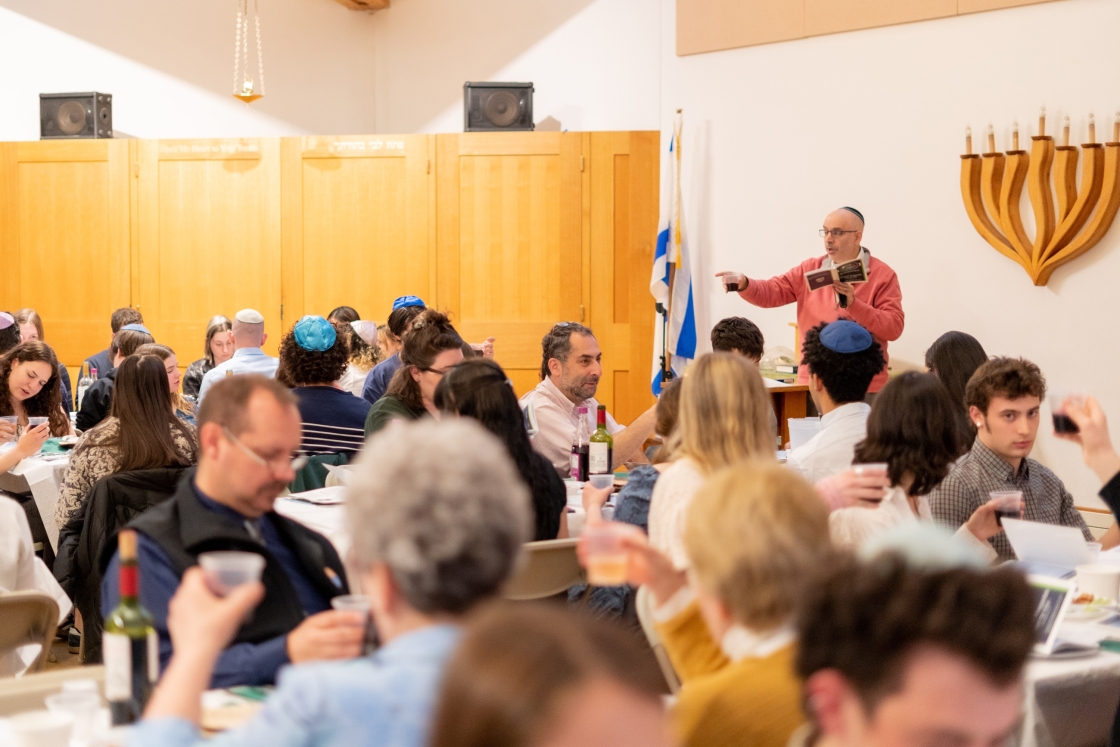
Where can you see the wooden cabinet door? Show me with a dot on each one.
(358, 223)
(623, 217)
(64, 238)
(208, 214)
(509, 240)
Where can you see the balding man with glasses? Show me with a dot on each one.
(875, 305)
(249, 434)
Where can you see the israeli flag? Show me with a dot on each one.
(672, 251)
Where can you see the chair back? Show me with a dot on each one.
(313, 475)
(550, 567)
(643, 602)
(28, 617)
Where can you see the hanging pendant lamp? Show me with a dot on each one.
(244, 82)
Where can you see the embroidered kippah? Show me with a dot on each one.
(314, 333)
(249, 316)
(404, 301)
(845, 337)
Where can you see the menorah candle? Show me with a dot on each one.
(1042, 122)
(1015, 136)
(1065, 132)
(1092, 128)
(968, 140)
(991, 138)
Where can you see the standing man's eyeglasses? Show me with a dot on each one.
(296, 463)
(836, 232)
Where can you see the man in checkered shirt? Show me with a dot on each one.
(1003, 399)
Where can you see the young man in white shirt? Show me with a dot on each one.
(842, 359)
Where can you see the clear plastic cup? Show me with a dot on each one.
(1009, 504)
(1062, 422)
(606, 555)
(41, 729)
(601, 481)
(82, 706)
(225, 571)
(37, 421)
(1094, 552)
(863, 469)
(358, 603)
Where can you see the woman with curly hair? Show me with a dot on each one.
(361, 337)
(32, 387)
(913, 428)
(313, 356)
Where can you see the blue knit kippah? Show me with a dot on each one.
(136, 328)
(846, 337)
(314, 333)
(404, 301)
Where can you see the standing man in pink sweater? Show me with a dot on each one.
(876, 304)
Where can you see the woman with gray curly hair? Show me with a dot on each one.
(438, 515)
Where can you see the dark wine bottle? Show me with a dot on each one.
(130, 645)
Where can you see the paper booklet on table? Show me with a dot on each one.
(846, 272)
(1052, 597)
(1047, 549)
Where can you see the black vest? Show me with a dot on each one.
(184, 528)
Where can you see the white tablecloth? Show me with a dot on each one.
(1071, 703)
(328, 520)
(43, 476)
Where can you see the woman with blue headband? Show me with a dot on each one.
(313, 357)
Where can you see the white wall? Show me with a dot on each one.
(782, 134)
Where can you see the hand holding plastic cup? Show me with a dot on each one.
(225, 571)
(358, 603)
(606, 554)
(1062, 422)
(1009, 504)
(879, 469)
(8, 427)
(37, 421)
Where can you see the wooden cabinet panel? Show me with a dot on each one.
(509, 239)
(209, 236)
(64, 213)
(357, 223)
(831, 16)
(623, 218)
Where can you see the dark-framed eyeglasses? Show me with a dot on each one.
(836, 232)
(296, 463)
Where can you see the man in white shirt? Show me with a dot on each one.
(248, 337)
(570, 372)
(842, 359)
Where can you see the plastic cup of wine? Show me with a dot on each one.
(606, 555)
(37, 421)
(601, 481)
(1009, 504)
(82, 706)
(731, 287)
(358, 603)
(225, 571)
(1062, 422)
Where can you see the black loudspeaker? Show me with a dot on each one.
(69, 116)
(496, 107)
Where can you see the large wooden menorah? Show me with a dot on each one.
(1065, 228)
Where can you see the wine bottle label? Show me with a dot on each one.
(116, 650)
(600, 459)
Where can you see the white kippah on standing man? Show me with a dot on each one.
(248, 337)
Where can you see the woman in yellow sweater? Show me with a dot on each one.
(753, 534)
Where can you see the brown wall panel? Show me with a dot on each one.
(708, 25)
(832, 16)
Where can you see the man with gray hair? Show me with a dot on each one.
(438, 515)
(248, 337)
(570, 372)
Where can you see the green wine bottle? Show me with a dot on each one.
(602, 446)
(130, 645)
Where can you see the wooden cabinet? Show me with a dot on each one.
(509, 232)
(208, 236)
(64, 238)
